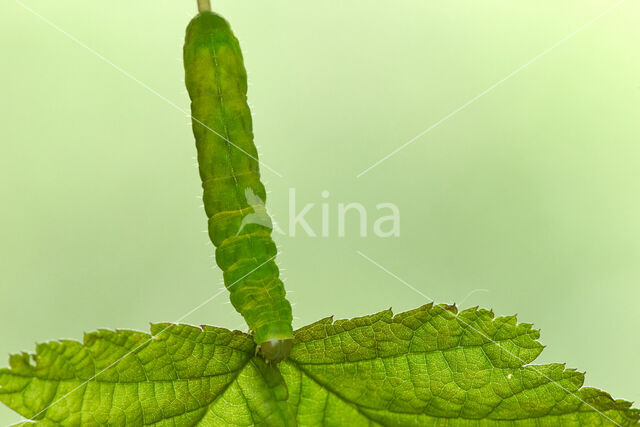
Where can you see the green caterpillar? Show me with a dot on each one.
(234, 197)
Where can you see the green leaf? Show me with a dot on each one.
(429, 366)
(181, 375)
(435, 366)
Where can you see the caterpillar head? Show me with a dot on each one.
(275, 351)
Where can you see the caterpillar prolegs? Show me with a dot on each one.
(234, 197)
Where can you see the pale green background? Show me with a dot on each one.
(532, 192)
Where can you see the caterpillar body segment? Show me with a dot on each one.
(234, 198)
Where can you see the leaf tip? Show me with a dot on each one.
(452, 308)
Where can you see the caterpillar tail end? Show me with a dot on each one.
(275, 351)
